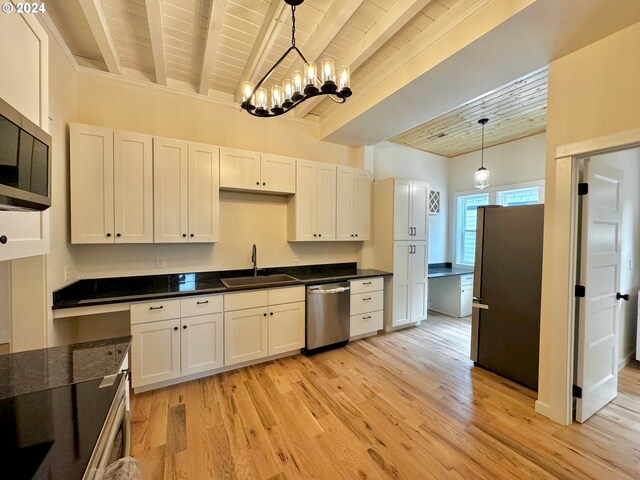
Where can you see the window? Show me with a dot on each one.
(466, 213)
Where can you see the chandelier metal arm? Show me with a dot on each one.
(334, 95)
(275, 65)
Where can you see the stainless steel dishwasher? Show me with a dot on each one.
(328, 318)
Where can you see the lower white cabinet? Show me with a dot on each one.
(273, 326)
(451, 295)
(367, 303)
(408, 292)
(167, 348)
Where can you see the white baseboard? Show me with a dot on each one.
(5, 336)
(630, 357)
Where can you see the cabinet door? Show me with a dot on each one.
(245, 335)
(326, 202)
(133, 187)
(305, 201)
(286, 327)
(345, 204)
(420, 210)
(155, 352)
(362, 205)
(170, 187)
(202, 343)
(204, 193)
(401, 283)
(402, 210)
(466, 297)
(239, 169)
(419, 274)
(91, 173)
(277, 174)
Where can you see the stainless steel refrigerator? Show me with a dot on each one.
(505, 325)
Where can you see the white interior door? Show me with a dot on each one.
(597, 373)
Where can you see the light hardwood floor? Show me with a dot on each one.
(405, 405)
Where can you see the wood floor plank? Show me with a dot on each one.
(402, 405)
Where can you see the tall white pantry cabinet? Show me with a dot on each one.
(401, 233)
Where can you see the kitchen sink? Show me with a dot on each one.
(259, 281)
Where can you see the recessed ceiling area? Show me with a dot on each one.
(516, 110)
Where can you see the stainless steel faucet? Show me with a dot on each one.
(254, 259)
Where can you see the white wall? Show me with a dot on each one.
(629, 162)
(392, 160)
(5, 302)
(514, 162)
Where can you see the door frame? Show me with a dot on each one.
(558, 317)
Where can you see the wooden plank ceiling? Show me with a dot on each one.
(210, 46)
(516, 110)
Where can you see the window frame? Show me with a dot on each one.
(456, 231)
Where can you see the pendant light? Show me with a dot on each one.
(301, 86)
(482, 174)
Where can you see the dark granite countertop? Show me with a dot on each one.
(437, 270)
(39, 370)
(102, 291)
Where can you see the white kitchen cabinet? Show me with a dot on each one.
(176, 338)
(245, 335)
(353, 216)
(410, 212)
(366, 310)
(155, 352)
(263, 322)
(400, 207)
(186, 196)
(452, 295)
(111, 186)
(312, 210)
(202, 343)
(252, 171)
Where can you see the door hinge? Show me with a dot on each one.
(583, 188)
(576, 391)
(580, 291)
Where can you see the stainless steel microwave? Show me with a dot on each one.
(25, 162)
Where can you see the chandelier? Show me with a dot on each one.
(482, 174)
(300, 87)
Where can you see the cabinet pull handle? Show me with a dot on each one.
(202, 303)
(367, 317)
(3, 239)
(366, 299)
(157, 308)
(366, 283)
(175, 329)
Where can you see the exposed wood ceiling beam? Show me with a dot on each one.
(98, 24)
(214, 28)
(269, 31)
(395, 18)
(335, 18)
(154, 17)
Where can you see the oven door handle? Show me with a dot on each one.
(126, 432)
(102, 465)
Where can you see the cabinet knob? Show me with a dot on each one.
(184, 326)
(175, 328)
(319, 234)
(118, 235)
(264, 183)
(315, 234)
(352, 235)
(184, 235)
(264, 314)
(257, 183)
(192, 235)
(108, 235)
(356, 234)
(271, 313)
(3, 239)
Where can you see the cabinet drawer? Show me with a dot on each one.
(241, 300)
(366, 323)
(155, 311)
(366, 302)
(367, 285)
(192, 306)
(277, 296)
(466, 279)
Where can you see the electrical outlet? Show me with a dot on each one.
(67, 273)
(160, 263)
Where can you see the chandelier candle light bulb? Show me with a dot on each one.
(302, 85)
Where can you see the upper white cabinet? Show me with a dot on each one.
(186, 198)
(111, 186)
(410, 210)
(353, 215)
(253, 171)
(312, 210)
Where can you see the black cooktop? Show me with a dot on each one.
(51, 434)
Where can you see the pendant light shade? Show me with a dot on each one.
(482, 175)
